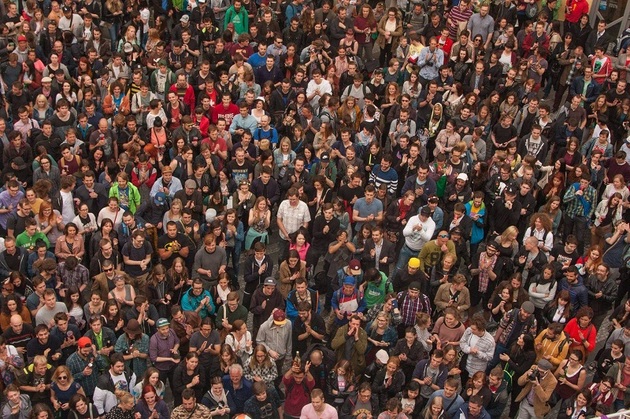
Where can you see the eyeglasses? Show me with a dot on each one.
(63, 377)
(7, 289)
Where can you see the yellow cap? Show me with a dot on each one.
(414, 263)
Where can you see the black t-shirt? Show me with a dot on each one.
(136, 254)
(16, 223)
(165, 242)
(240, 172)
(561, 256)
(503, 135)
(348, 194)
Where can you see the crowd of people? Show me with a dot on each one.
(444, 186)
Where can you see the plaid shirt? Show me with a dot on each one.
(293, 217)
(409, 308)
(574, 207)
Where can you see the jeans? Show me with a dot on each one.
(498, 350)
(406, 253)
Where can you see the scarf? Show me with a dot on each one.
(483, 276)
(403, 209)
(220, 400)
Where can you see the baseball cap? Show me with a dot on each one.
(67, 9)
(22, 38)
(325, 157)
(414, 286)
(414, 263)
(84, 342)
(426, 211)
(190, 184)
(434, 199)
(159, 198)
(162, 62)
(355, 267)
(349, 280)
(127, 47)
(279, 318)
(463, 176)
(184, 19)
(510, 190)
(270, 281)
(162, 322)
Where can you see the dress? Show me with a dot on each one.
(63, 396)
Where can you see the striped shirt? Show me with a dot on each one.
(457, 15)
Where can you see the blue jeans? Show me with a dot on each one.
(406, 253)
(498, 350)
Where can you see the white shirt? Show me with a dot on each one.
(415, 239)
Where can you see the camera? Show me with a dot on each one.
(429, 63)
(534, 375)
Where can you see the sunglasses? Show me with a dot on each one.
(108, 270)
(63, 377)
(443, 236)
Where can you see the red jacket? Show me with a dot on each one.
(189, 96)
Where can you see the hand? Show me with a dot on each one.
(87, 371)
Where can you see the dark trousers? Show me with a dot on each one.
(577, 226)
(624, 286)
(562, 88)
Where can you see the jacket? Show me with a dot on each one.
(577, 87)
(388, 250)
(608, 288)
(420, 372)
(577, 292)
(357, 359)
(616, 373)
(190, 302)
(104, 397)
(542, 393)
(485, 345)
(291, 303)
(499, 401)
(464, 413)
(109, 106)
(348, 406)
(383, 392)
(261, 313)
(395, 36)
(442, 298)
(276, 338)
(99, 283)
(556, 349)
(134, 195)
(286, 284)
(506, 326)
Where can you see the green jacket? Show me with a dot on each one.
(134, 196)
(239, 19)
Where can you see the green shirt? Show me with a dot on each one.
(28, 242)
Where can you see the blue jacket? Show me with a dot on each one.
(577, 86)
(190, 302)
(577, 292)
(464, 414)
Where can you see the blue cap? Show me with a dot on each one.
(159, 198)
(349, 280)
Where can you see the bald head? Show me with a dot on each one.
(16, 323)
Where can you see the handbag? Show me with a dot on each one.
(224, 332)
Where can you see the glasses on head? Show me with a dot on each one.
(443, 236)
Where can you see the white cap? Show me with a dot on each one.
(211, 214)
(463, 176)
(382, 356)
